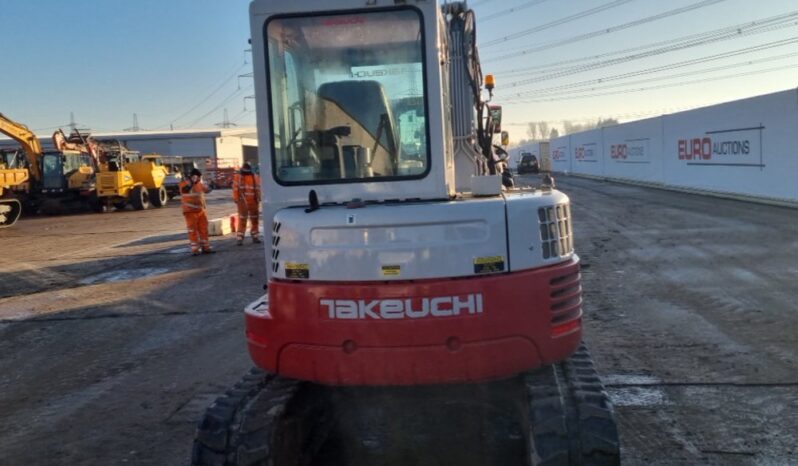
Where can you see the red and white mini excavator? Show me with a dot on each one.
(419, 311)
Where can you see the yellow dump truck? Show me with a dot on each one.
(127, 178)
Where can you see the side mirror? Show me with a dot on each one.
(505, 138)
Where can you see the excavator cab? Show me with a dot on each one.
(66, 171)
(53, 172)
(334, 93)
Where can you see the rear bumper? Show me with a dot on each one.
(363, 334)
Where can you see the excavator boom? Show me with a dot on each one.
(29, 142)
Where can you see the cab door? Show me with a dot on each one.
(53, 179)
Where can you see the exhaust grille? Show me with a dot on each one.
(275, 246)
(566, 298)
(556, 235)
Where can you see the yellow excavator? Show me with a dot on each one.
(42, 177)
(15, 173)
(11, 178)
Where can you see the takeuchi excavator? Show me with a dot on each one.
(419, 311)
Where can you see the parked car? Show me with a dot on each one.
(528, 164)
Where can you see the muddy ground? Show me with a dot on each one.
(113, 340)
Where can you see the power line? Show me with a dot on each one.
(662, 86)
(508, 11)
(242, 115)
(623, 116)
(671, 66)
(218, 88)
(609, 30)
(479, 2)
(220, 105)
(36, 130)
(558, 69)
(671, 76)
(555, 23)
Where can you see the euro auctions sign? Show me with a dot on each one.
(559, 154)
(733, 147)
(585, 152)
(630, 151)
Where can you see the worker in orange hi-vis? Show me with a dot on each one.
(192, 195)
(246, 194)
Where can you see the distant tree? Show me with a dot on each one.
(570, 127)
(604, 122)
(532, 130)
(519, 143)
(543, 129)
(554, 133)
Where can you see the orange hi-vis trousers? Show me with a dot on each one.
(246, 211)
(197, 224)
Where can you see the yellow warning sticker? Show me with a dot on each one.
(296, 270)
(489, 264)
(391, 270)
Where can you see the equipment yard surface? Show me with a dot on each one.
(114, 340)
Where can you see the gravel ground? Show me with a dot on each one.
(692, 318)
(114, 340)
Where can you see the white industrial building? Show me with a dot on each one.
(223, 147)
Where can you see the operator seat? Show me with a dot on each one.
(363, 106)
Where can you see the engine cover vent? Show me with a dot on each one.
(555, 231)
(275, 246)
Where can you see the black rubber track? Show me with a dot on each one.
(571, 420)
(269, 420)
(264, 419)
(593, 432)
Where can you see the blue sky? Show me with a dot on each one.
(105, 60)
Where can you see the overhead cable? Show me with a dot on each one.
(668, 67)
(567, 19)
(510, 11)
(603, 31)
(662, 86)
(562, 68)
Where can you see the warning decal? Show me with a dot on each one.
(489, 264)
(391, 270)
(296, 270)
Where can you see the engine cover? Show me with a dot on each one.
(423, 240)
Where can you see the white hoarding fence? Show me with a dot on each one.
(746, 148)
